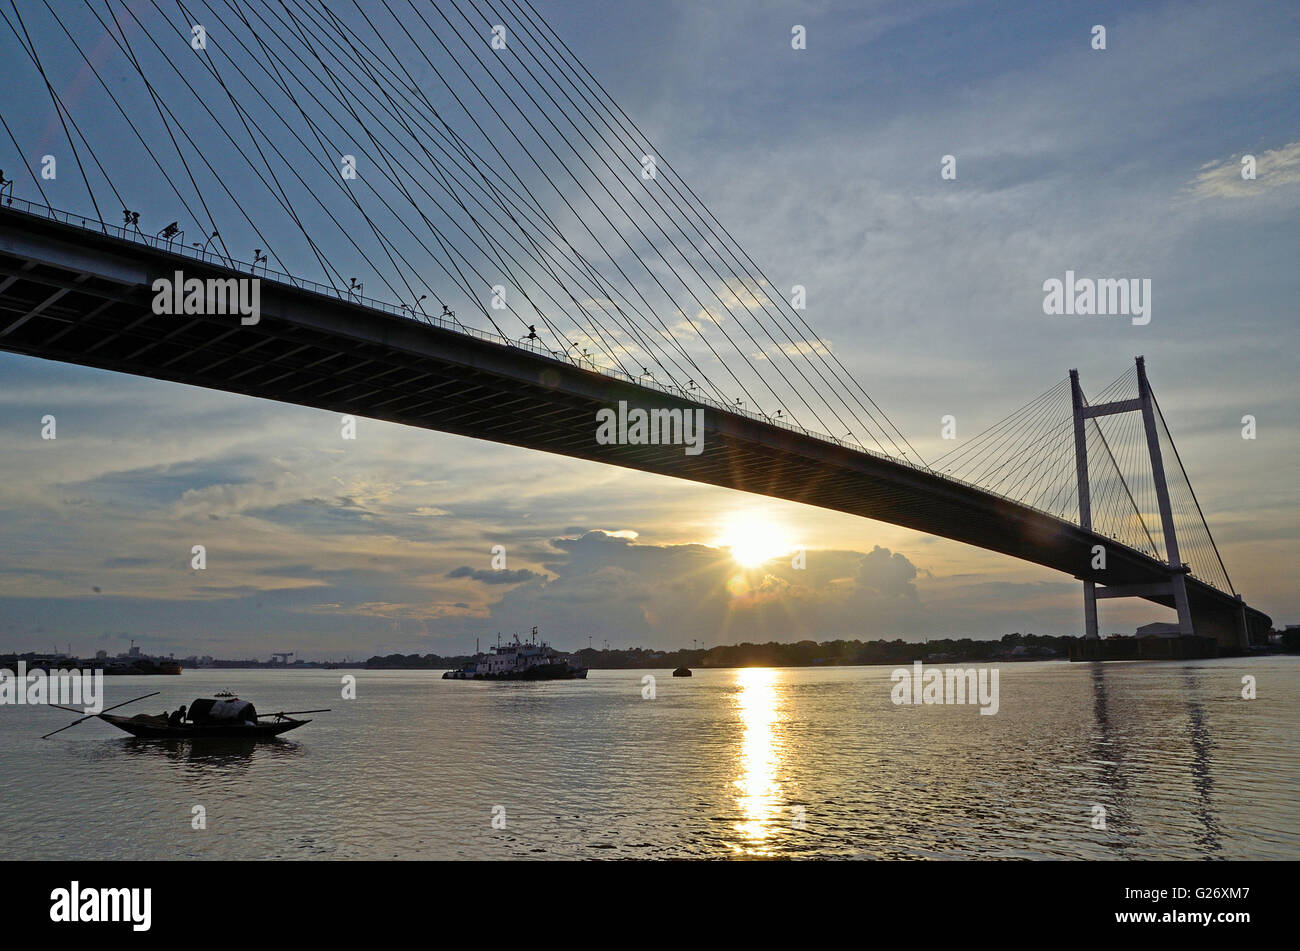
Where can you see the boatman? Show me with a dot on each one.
(177, 718)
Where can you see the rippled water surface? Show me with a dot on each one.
(726, 763)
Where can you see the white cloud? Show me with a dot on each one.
(1274, 169)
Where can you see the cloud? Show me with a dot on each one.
(1274, 169)
(888, 573)
(665, 595)
(501, 576)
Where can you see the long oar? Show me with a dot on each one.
(289, 713)
(93, 715)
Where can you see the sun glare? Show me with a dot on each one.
(753, 540)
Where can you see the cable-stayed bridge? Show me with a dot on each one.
(462, 151)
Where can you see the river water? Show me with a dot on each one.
(799, 763)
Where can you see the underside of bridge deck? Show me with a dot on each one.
(77, 296)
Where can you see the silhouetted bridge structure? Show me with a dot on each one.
(463, 152)
(79, 291)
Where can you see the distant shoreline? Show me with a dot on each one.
(1010, 648)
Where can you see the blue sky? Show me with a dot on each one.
(825, 163)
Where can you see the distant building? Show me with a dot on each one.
(1156, 641)
(1158, 629)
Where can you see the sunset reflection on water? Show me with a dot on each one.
(750, 763)
(758, 705)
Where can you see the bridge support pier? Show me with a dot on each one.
(1179, 577)
(1085, 499)
(1090, 609)
(1226, 624)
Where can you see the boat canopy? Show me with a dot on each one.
(222, 711)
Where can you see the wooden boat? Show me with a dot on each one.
(156, 728)
(223, 719)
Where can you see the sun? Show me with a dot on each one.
(753, 540)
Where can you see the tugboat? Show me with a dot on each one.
(531, 660)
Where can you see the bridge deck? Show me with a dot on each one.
(79, 296)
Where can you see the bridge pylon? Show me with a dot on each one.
(1230, 632)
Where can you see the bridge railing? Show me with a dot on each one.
(175, 246)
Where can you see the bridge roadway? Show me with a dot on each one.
(82, 296)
